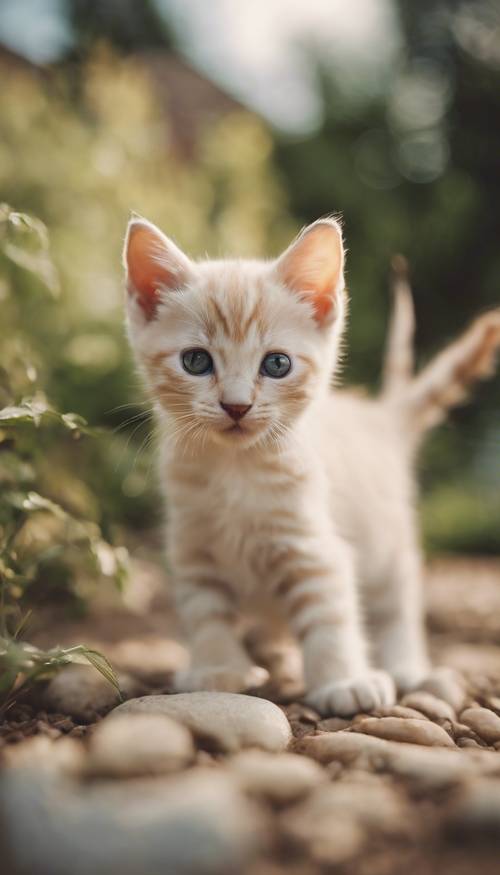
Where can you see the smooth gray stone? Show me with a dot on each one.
(194, 824)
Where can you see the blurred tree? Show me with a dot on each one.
(82, 168)
(417, 170)
(125, 24)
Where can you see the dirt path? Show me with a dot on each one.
(415, 788)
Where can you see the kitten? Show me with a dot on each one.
(280, 488)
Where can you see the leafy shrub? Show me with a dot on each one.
(81, 157)
(51, 541)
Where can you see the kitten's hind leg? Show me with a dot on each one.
(396, 620)
(218, 659)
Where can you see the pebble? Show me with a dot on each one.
(333, 724)
(342, 746)
(373, 803)
(224, 721)
(84, 694)
(431, 769)
(431, 706)
(446, 684)
(428, 768)
(401, 711)
(327, 841)
(138, 744)
(460, 730)
(280, 778)
(484, 722)
(297, 711)
(333, 821)
(196, 823)
(476, 812)
(65, 755)
(407, 729)
(493, 702)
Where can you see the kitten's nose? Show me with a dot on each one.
(235, 411)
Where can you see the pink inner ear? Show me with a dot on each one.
(313, 265)
(147, 257)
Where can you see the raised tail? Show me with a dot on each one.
(399, 361)
(446, 381)
(448, 378)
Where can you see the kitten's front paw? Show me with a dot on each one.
(375, 689)
(220, 679)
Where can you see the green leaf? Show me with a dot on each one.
(104, 667)
(21, 660)
(13, 415)
(37, 412)
(24, 241)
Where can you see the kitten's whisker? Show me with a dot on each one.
(144, 415)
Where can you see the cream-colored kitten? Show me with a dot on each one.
(279, 489)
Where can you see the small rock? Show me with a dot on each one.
(139, 744)
(328, 842)
(493, 702)
(65, 755)
(401, 711)
(372, 802)
(460, 730)
(333, 724)
(152, 658)
(64, 724)
(438, 768)
(196, 823)
(333, 821)
(281, 778)
(78, 732)
(426, 767)
(484, 722)
(476, 813)
(446, 684)
(342, 746)
(405, 729)
(225, 721)
(297, 711)
(431, 706)
(84, 694)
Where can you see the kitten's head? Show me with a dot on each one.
(235, 351)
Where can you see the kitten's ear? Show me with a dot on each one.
(153, 264)
(313, 267)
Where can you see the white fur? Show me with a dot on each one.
(311, 505)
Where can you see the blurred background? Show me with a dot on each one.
(230, 125)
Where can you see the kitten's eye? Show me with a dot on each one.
(197, 362)
(276, 364)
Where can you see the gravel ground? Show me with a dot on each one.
(224, 783)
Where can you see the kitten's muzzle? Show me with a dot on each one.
(236, 411)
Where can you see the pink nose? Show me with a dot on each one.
(236, 411)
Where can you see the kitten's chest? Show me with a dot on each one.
(237, 514)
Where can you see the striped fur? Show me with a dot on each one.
(307, 504)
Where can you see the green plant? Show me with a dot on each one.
(50, 538)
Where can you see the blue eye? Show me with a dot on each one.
(197, 362)
(276, 365)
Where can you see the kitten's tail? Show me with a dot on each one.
(445, 382)
(448, 378)
(399, 359)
